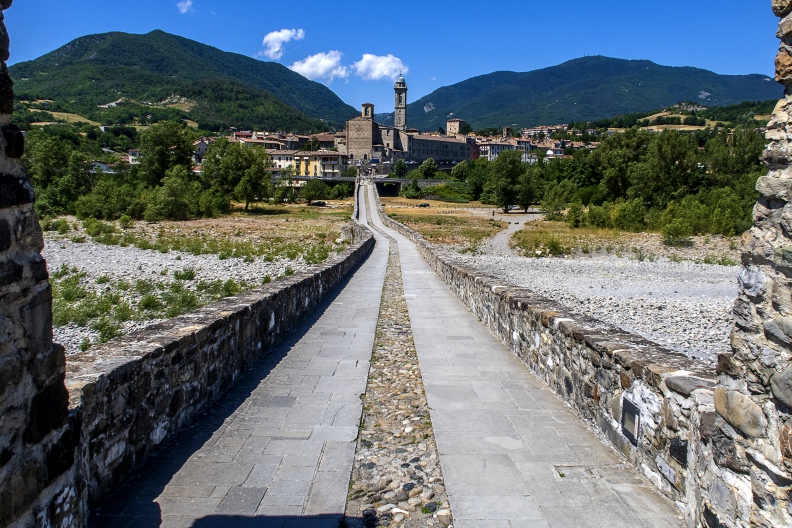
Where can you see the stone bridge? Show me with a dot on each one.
(248, 412)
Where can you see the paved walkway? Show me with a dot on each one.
(278, 450)
(513, 455)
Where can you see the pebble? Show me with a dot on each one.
(396, 450)
(132, 264)
(683, 306)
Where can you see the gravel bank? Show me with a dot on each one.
(681, 305)
(131, 264)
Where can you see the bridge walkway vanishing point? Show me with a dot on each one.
(512, 453)
(277, 450)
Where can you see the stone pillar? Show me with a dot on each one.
(752, 440)
(37, 442)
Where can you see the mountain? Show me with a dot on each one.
(216, 88)
(584, 89)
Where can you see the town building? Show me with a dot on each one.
(368, 142)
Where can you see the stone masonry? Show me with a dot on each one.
(37, 438)
(754, 398)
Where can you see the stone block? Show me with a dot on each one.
(740, 411)
(679, 450)
(783, 65)
(685, 385)
(781, 7)
(15, 140)
(10, 272)
(707, 425)
(37, 321)
(6, 236)
(48, 411)
(14, 190)
(6, 91)
(779, 330)
(785, 29)
(781, 385)
(10, 373)
(775, 188)
(728, 454)
(728, 365)
(785, 442)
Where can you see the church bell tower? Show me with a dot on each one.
(400, 113)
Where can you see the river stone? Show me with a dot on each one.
(783, 65)
(685, 385)
(781, 384)
(740, 411)
(779, 330)
(774, 188)
(781, 7)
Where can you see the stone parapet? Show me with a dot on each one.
(132, 392)
(616, 380)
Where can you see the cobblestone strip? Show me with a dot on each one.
(396, 479)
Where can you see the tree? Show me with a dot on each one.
(314, 190)
(670, 169)
(504, 174)
(399, 169)
(255, 183)
(478, 171)
(164, 146)
(528, 187)
(460, 171)
(175, 199)
(428, 169)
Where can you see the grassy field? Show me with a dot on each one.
(106, 305)
(543, 239)
(458, 229)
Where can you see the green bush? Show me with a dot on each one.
(575, 215)
(185, 274)
(630, 215)
(96, 228)
(677, 232)
(126, 221)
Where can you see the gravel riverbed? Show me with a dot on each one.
(131, 264)
(684, 306)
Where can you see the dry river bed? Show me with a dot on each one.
(130, 264)
(684, 306)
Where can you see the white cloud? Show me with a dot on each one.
(273, 42)
(322, 66)
(375, 67)
(185, 6)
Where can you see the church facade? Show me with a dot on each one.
(370, 142)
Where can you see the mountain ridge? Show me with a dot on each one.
(101, 68)
(582, 89)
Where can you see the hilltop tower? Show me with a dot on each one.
(400, 113)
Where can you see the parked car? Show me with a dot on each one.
(318, 203)
(423, 204)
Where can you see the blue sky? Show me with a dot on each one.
(357, 47)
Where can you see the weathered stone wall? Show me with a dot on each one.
(753, 484)
(596, 367)
(36, 435)
(132, 392)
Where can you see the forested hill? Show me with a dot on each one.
(584, 89)
(216, 88)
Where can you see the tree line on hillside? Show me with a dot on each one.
(633, 181)
(58, 160)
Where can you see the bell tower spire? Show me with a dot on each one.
(400, 113)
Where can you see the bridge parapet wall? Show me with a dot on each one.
(605, 373)
(133, 392)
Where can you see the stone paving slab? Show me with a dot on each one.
(277, 450)
(538, 465)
